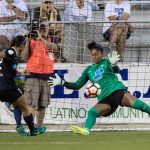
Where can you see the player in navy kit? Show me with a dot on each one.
(8, 90)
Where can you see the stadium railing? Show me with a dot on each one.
(62, 4)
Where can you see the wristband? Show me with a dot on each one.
(113, 65)
(62, 82)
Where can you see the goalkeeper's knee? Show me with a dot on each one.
(93, 112)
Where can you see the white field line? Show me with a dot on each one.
(31, 143)
(109, 129)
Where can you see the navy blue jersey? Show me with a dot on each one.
(8, 65)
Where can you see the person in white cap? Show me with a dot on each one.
(47, 14)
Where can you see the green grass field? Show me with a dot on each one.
(110, 140)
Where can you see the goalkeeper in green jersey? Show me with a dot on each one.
(113, 92)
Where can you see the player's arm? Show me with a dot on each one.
(79, 83)
(26, 52)
(70, 85)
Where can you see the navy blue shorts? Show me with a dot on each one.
(9, 91)
(114, 100)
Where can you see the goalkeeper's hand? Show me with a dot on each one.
(113, 57)
(55, 81)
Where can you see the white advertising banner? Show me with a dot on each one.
(70, 106)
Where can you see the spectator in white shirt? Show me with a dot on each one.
(12, 13)
(93, 4)
(78, 10)
(117, 33)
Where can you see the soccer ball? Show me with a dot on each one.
(92, 90)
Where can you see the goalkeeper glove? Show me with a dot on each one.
(113, 58)
(55, 81)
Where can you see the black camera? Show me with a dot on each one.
(33, 34)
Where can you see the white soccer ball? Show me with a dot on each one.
(92, 90)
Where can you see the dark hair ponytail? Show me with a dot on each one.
(18, 40)
(93, 45)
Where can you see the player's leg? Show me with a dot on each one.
(133, 102)
(32, 94)
(21, 103)
(93, 113)
(17, 115)
(19, 128)
(32, 110)
(103, 108)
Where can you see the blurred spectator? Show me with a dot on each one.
(40, 62)
(93, 4)
(79, 10)
(117, 33)
(12, 12)
(46, 14)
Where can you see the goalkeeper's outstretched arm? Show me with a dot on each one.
(70, 85)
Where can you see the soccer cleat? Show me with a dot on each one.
(80, 130)
(21, 130)
(38, 131)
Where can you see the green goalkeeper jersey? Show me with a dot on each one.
(101, 73)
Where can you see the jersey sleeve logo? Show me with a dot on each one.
(10, 52)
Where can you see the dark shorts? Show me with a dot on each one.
(9, 92)
(114, 100)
